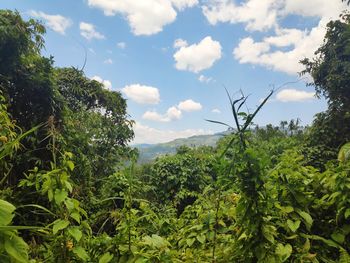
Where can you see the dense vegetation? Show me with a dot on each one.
(71, 191)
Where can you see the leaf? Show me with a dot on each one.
(293, 225)
(347, 213)
(75, 216)
(106, 257)
(284, 251)
(338, 237)
(201, 238)
(59, 225)
(307, 218)
(6, 212)
(269, 232)
(81, 253)
(344, 153)
(70, 165)
(344, 256)
(75, 232)
(60, 196)
(16, 248)
(190, 241)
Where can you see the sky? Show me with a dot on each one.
(173, 59)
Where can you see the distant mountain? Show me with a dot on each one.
(148, 152)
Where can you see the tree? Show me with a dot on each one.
(330, 70)
(26, 81)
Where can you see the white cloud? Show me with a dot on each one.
(198, 57)
(106, 83)
(108, 61)
(142, 94)
(179, 43)
(189, 105)
(283, 49)
(301, 43)
(182, 4)
(172, 114)
(317, 8)
(216, 111)
(146, 134)
(89, 32)
(288, 95)
(57, 23)
(145, 17)
(257, 14)
(264, 14)
(205, 79)
(121, 45)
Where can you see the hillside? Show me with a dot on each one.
(149, 152)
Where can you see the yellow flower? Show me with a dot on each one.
(69, 245)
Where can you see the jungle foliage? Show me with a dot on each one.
(71, 189)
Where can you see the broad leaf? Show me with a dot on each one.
(293, 225)
(60, 196)
(59, 225)
(107, 257)
(75, 232)
(81, 253)
(6, 212)
(16, 248)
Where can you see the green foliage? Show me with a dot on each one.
(330, 71)
(252, 198)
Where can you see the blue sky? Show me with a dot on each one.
(171, 59)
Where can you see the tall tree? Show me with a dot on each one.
(330, 70)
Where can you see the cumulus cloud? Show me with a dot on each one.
(257, 14)
(145, 17)
(283, 49)
(106, 83)
(121, 45)
(142, 94)
(146, 134)
(172, 114)
(216, 111)
(179, 43)
(89, 32)
(293, 95)
(189, 105)
(264, 14)
(301, 43)
(57, 23)
(205, 79)
(198, 57)
(182, 4)
(108, 61)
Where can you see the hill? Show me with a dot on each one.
(148, 152)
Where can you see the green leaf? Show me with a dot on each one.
(269, 232)
(60, 196)
(344, 153)
(81, 253)
(347, 213)
(6, 212)
(107, 257)
(59, 225)
(338, 237)
(284, 251)
(307, 218)
(76, 216)
(293, 225)
(201, 238)
(75, 232)
(70, 165)
(190, 241)
(16, 248)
